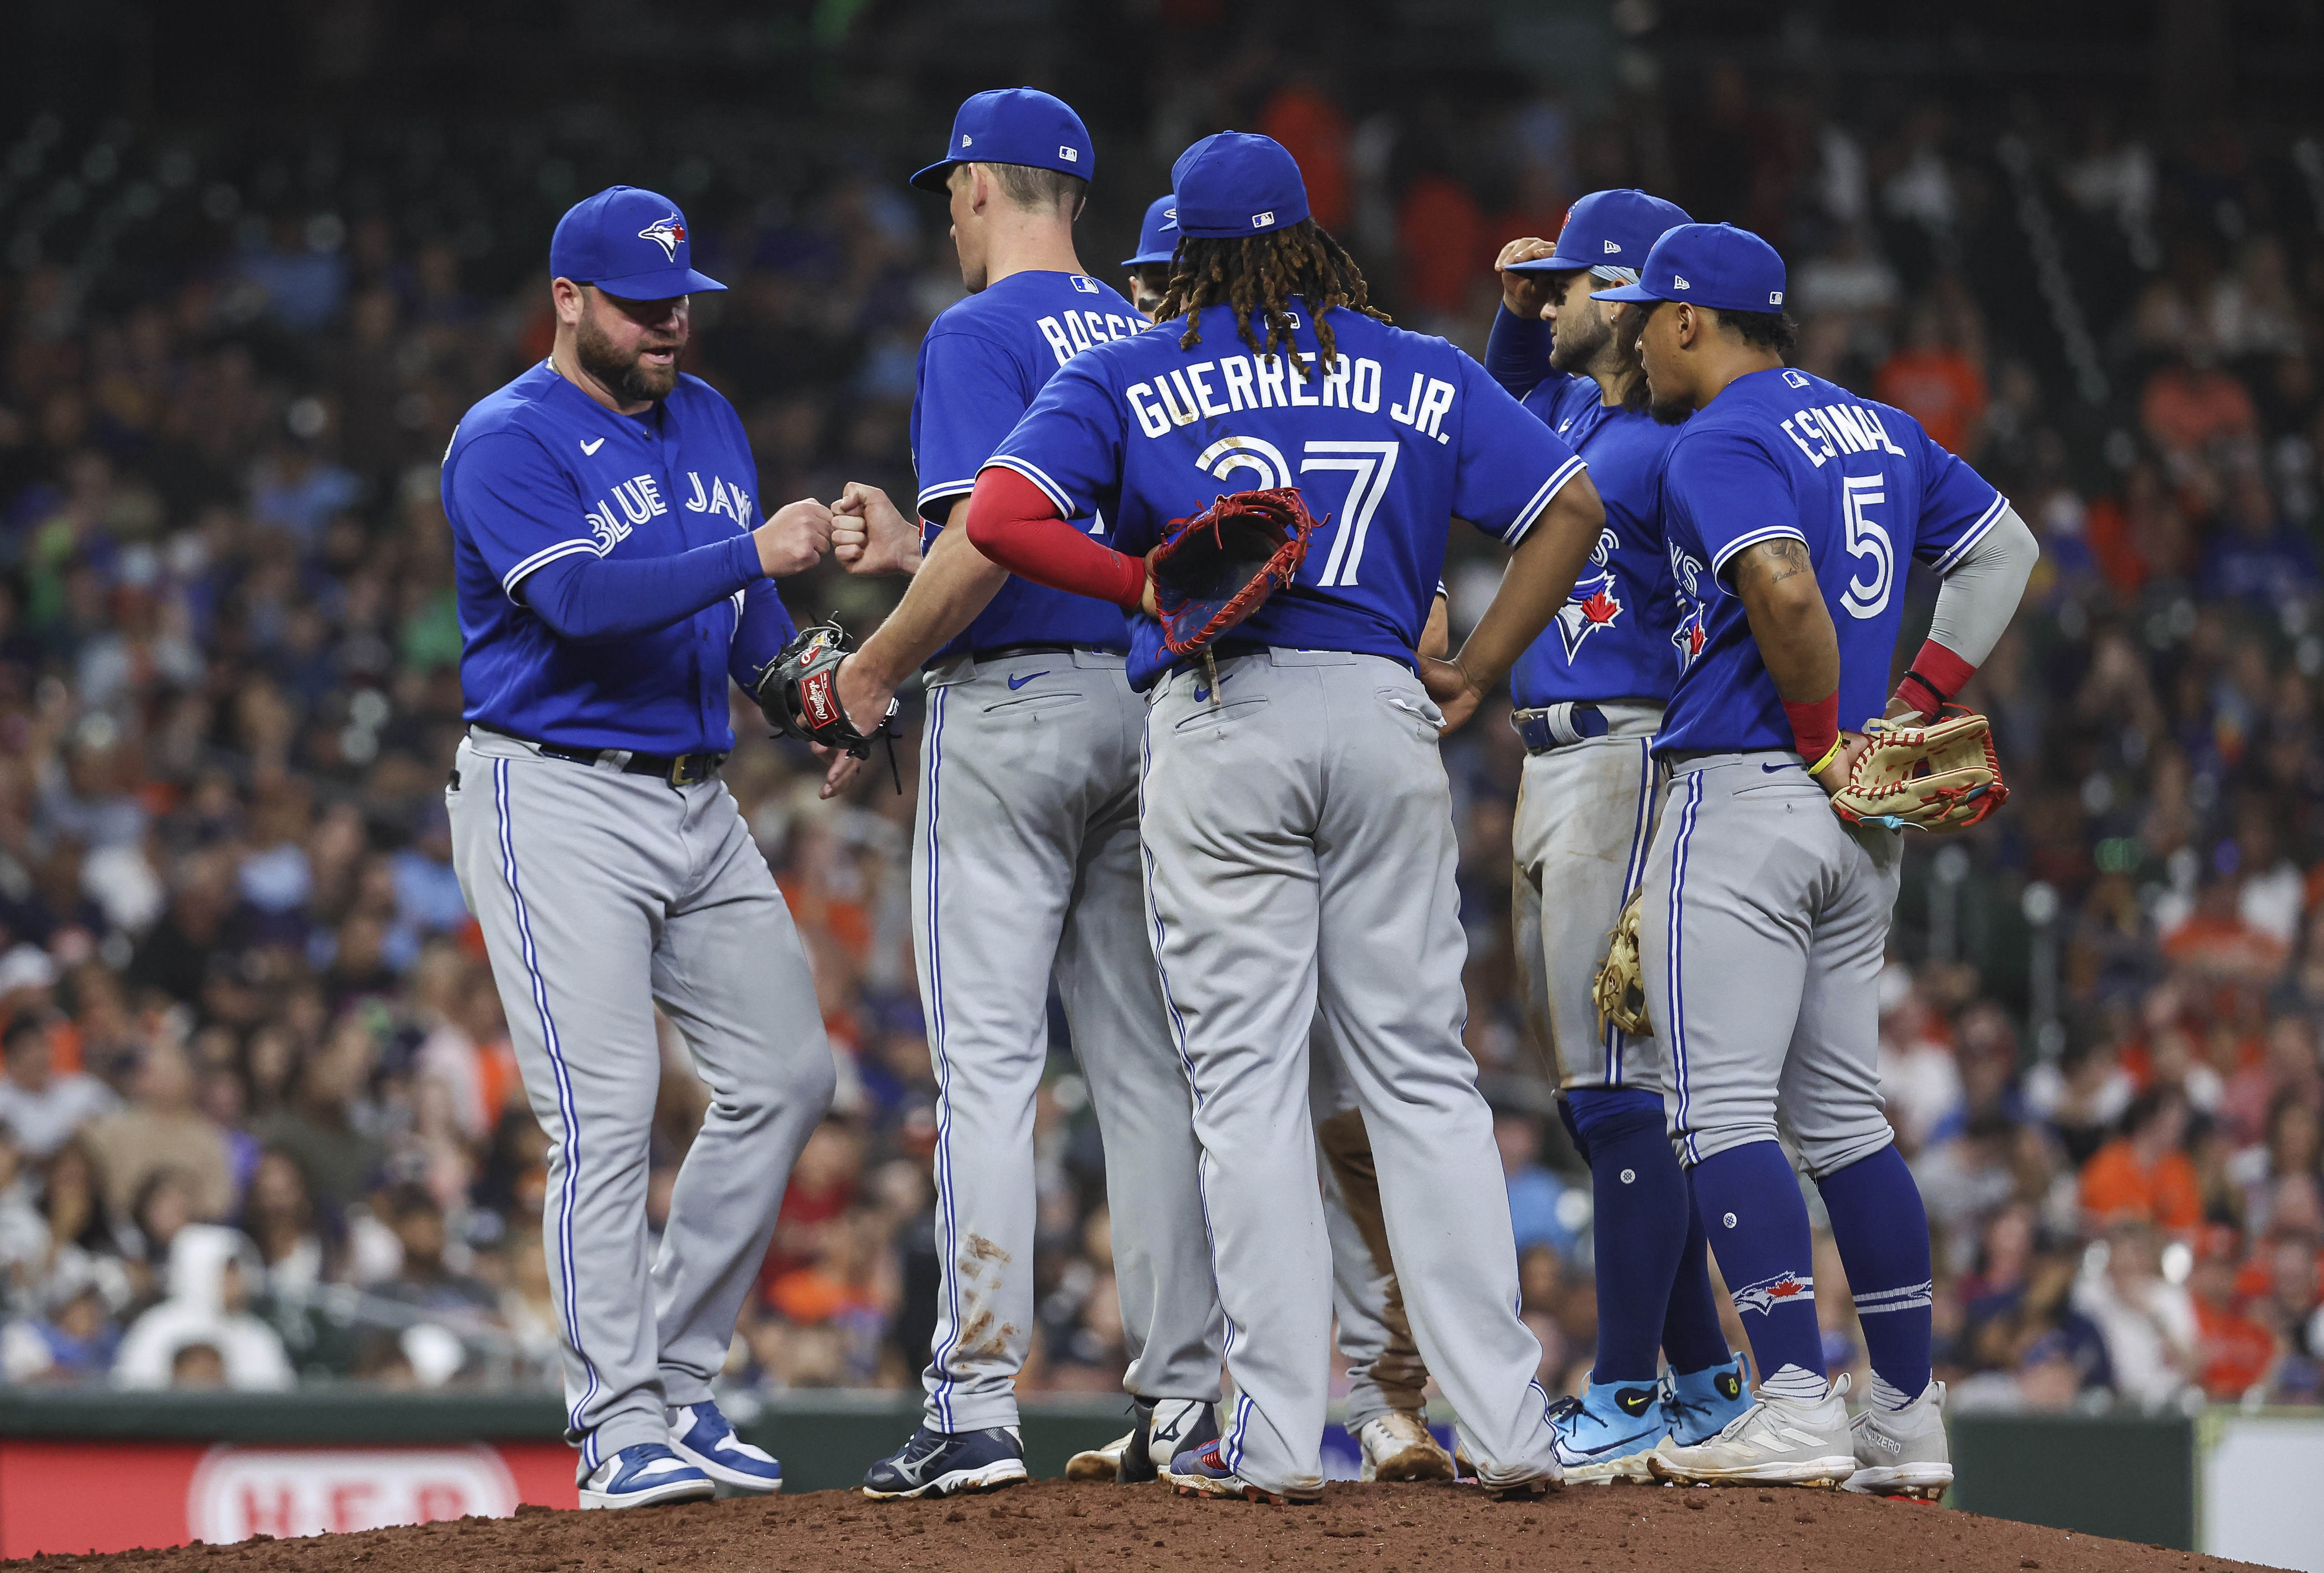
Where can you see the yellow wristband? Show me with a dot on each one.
(1829, 755)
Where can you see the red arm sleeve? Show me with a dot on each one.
(1012, 521)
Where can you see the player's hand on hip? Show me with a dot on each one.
(870, 534)
(794, 538)
(1525, 294)
(1456, 693)
(1833, 776)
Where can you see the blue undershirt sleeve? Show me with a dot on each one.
(1517, 355)
(584, 597)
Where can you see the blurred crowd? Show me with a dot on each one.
(259, 1123)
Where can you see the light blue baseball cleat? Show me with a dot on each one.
(1605, 1435)
(705, 1439)
(1703, 1403)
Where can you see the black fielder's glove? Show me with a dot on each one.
(798, 692)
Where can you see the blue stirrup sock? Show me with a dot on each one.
(1637, 1225)
(1882, 1231)
(1751, 1208)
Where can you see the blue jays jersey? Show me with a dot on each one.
(538, 471)
(1781, 453)
(981, 365)
(1387, 442)
(1612, 639)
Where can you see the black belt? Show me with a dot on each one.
(1558, 726)
(678, 770)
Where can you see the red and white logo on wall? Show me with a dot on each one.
(240, 1492)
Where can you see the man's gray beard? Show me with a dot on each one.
(627, 380)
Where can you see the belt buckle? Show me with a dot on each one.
(678, 764)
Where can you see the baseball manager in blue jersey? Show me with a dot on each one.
(614, 569)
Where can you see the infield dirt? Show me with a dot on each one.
(1052, 1527)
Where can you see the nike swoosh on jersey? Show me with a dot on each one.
(1772, 769)
(1016, 682)
(593, 446)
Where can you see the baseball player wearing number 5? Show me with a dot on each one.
(1296, 814)
(1790, 507)
(1590, 695)
(613, 572)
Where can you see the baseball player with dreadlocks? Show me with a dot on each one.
(1789, 508)
(1024, 856)
(1296, 817)
(1590, 695)
(1387, 1410)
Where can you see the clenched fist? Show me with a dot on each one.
(794, 538)
(870, 534)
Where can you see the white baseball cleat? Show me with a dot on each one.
(1775, 1442)
(1398, 1447)
(1903, 1452)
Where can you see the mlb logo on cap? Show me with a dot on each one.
(1233, 182)
(1015, 126)
(1725, 268)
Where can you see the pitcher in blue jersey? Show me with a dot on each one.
(1296, 817)
(1590, 695)
(1790, 509)
(1025, 858)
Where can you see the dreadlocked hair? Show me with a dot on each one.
(1255, 275)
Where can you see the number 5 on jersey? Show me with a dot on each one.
(1369, 464)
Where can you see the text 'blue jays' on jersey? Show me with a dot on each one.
(1386, 443)
(1783, 453)
(981, 365)
(1613, 638)
(538, 471)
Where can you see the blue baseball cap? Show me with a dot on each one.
(1233, 182)
(1716, 265)
(1014, 125)
(629, 243)
(1608, 229)
(1158, 238)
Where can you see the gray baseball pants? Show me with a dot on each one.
(1585, 817)
(1300, 851)
(1762, 933)
(1385, 1370)
(1025, 863)
(601, 894)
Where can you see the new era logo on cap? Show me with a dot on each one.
(1679, 283)
(1612, 249)
(965, 139)
(1072, 155)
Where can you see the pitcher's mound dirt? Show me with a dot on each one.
(1052, 1527)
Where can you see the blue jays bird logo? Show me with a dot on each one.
(1688, 635)
(1783, 1289)
(670, 234)
(1592, 606)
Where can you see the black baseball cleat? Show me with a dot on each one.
(1179, 1425)
(944, 1464)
